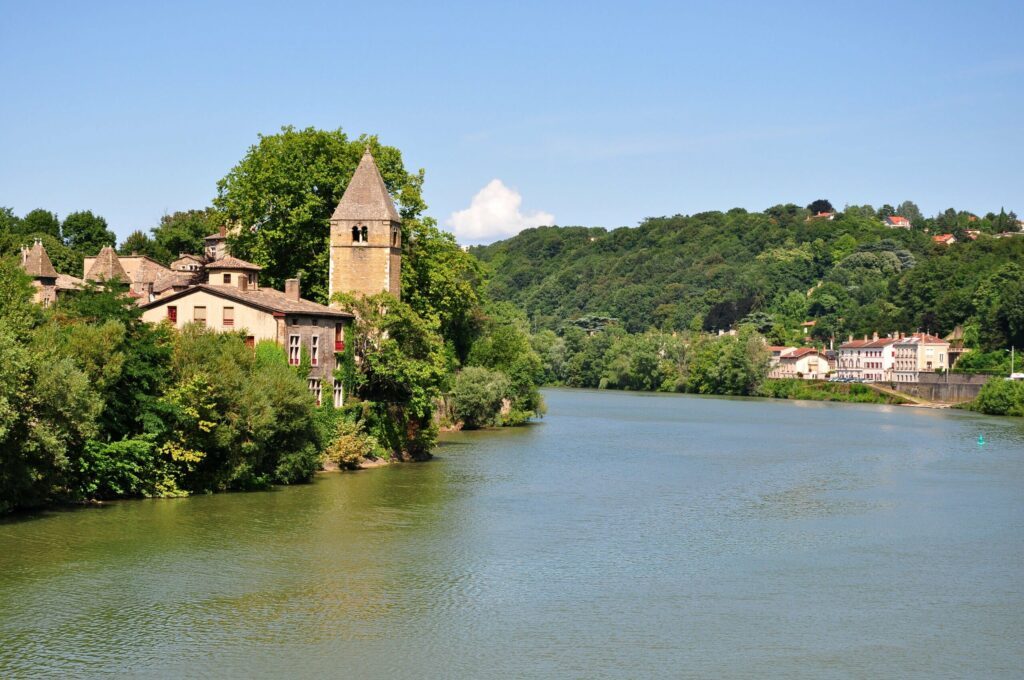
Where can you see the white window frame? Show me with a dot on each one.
(339, 394)
(314, 350)
(316, 388)
(294, 350)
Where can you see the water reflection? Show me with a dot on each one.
(625, 535)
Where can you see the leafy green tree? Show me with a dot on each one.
(505, 346)
(478, 395)
(87, 233)
(820, 206)
(40, 221)
(184, 231)
(910, 210)
(441, 281)
(395, 363)
(283, 192)
(139, 242)
(9, 222)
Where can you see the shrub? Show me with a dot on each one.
(1000, 398)
(478, 395)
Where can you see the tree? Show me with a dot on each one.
(40, 221)
(440, 280)
(820, 206)
(184, 231)
(139, 242)
(283, 192)
(477, 396)
(87, 233)
(396, 365)
(9, 222)
(887, 211)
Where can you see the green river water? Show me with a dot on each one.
(625, 535)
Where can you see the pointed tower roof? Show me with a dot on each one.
(36, 262)
(107, 267)
(366, 197)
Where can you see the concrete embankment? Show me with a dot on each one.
(948, 389)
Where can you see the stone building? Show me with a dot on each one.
(48, 283)
(366, 236)
(238, 304)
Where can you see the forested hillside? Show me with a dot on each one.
(775, 269)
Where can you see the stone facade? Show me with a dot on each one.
(366, 237)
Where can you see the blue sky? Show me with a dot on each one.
(585, 113)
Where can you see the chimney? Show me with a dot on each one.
(243, 282)
(291, 289)
(851, 338)
(875, 336)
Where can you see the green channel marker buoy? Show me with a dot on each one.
(981, 440)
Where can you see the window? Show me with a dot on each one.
(250, 341)
(394, 238)
(314, 351)
(199, 315)
(355, 234)
(294, 321)
(252, 279)
(339, 394)
(172, 313)
(294, 350)
(339, 338)
(229, 317)
(314, 387)
(365, 234)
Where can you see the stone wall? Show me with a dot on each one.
(949, 388)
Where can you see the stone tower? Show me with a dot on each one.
(366, 236)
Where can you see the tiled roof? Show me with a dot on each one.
(266, 299)
(800, 352)
(65, 282)
(233, 263)
(36, 262)
(898, 220)
(171, 280)
(107, 267)
(366, 197)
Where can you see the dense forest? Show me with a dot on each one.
(775, 270)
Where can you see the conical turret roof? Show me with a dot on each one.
(36, 262)
(366, 197)
(107, 267)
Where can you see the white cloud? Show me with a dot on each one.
(495, 213)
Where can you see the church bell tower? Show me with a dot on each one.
(366, 236)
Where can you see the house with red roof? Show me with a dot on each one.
(944, 239)
(804, 363)
(897, 222)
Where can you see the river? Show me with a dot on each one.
(625, 535)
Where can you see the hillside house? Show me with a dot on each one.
(896, 222)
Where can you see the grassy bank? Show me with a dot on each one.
(819, 390)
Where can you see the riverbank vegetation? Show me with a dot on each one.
(96, 404)
(1000, 397)
(818, 390)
